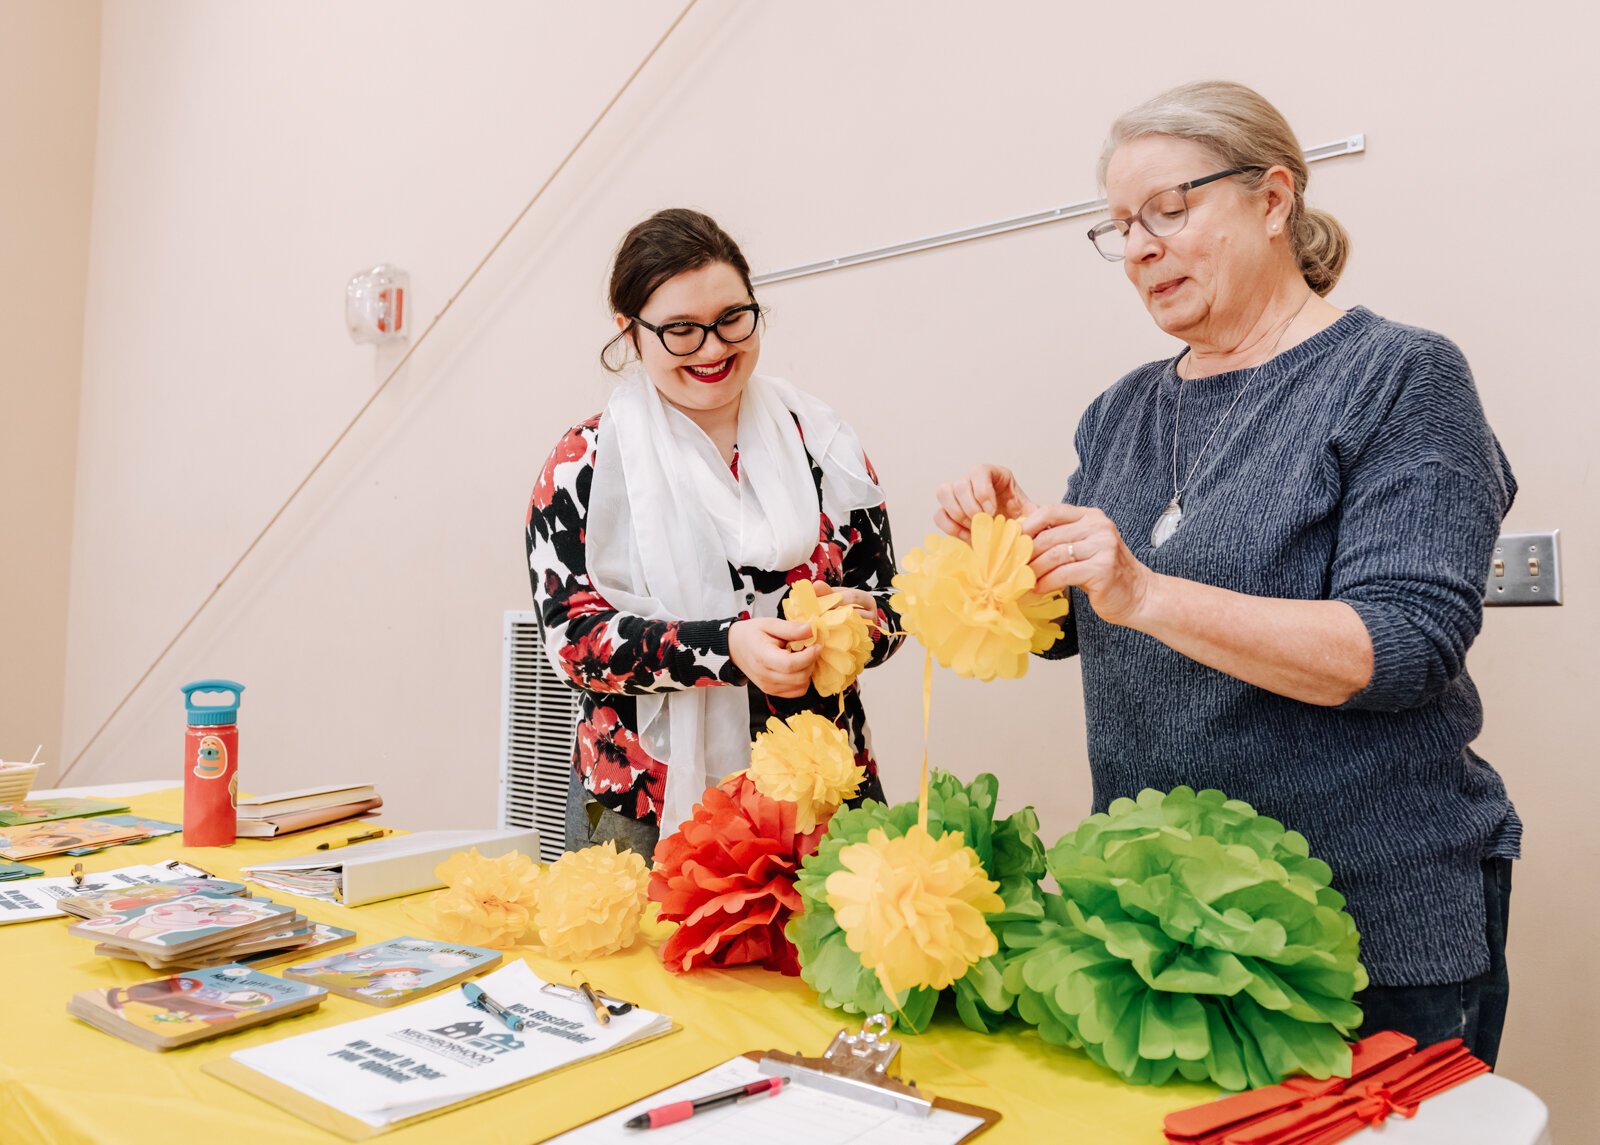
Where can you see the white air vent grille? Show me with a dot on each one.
(539, 716)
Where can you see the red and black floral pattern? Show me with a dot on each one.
(614, 657)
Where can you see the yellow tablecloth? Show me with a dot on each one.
(63, 1082)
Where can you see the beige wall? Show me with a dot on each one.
(49, 69)
(250, 159)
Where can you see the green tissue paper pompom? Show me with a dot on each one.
(1012, 856)
(1194, 937)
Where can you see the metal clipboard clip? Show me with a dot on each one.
(616, 1006)
(858, 1065)
(188, 870)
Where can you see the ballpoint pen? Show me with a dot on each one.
(676, 1111)
(477, 998)
(378, 834)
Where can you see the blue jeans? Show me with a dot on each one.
(1474, 1010)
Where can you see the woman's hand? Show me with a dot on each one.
(989, 489)
(1082, 548)
(760, 649)
(865, 604)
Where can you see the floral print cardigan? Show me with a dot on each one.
(613, 656)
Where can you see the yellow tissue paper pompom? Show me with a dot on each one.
(590, 902)
(912, 907)
(973, 605)
(844, 635)
(807, 761)
(487, 902)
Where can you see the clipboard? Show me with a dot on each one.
(859, 1066)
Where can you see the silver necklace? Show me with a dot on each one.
(1172, 516)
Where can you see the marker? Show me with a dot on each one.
(601, 1012)
(378, 834)
(677, 1111)
(480, 1000)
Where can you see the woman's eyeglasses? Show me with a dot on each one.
(682, 338)
(1163, 215)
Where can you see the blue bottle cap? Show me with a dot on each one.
(211, 715)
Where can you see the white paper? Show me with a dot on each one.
(797, 1115)
(441, 1050)
(38, 897)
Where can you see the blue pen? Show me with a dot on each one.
(480, 1000)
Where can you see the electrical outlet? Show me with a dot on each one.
(1525, 569)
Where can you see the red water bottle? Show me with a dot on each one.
(210, 764)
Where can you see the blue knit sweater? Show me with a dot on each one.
(1357, 466)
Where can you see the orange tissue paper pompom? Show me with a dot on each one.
(973, 605)
(727, 876)
(844, 635)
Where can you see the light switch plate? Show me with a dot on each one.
(1525, 569)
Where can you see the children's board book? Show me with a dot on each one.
(36, 840)
(399, 970)
(41, 898)
(165, 1013)
(41, 810)
(186, 923)
(91, 904)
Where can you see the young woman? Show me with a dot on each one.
(665, 531)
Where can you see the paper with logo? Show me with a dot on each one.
(41, 898)
(400, 970)
(440, 1052)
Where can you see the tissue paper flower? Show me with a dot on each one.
(842, 631)
(487, 902)
(805, 760)
(726, 876)
(913, 907)
(1193, 937)
(1007, 853)
(590, 902)
(973, 605)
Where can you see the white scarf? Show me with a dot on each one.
(667, 517)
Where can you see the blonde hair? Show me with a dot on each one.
(1241, 129)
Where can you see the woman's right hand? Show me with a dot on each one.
(760, 648)
(991, 489)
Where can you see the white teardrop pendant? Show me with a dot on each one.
(1166, 524)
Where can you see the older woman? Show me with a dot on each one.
(1276, 543)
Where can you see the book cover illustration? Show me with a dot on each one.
(115, 899)
(389, 972)
(42, 898)
(181, 923)
(42, 810)
(152, 828)
(196, 1004)
(34, 840)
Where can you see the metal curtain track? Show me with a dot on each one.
(1350, 145)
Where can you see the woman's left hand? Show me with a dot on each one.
(859, 599)
(1081, 548)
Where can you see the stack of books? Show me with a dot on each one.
(268, 816)
(174, 1011)
(204, 927)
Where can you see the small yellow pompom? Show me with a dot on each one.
(845, 638)
(487, 902)
(913, 907)
(590, 902)
(973, 605)
(805, 760)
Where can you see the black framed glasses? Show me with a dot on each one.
(1163, 215)
(682, 338)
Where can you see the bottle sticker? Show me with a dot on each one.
(212, 758)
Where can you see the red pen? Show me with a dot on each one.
(683, 1110)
